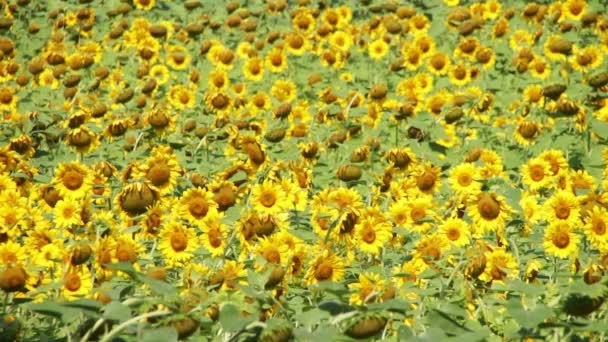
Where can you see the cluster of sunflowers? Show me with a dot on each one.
(373, 145)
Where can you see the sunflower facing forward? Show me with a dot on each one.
(325, 267)
(269, 198)
(177, 243)
(73, 179)
(560, 240)
(489, 212)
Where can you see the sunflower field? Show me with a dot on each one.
(306, 170)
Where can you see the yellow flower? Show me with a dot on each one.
(560, 240)
(489, 212)
(77, 283)
(284, 90)
(269, 198)
(378, 49)
(430, 248)
(196, 204)
(276, 60)
(439, 63)
(177, 244)
(372, 236)
(73, 179)
(536, 174)
(178, 57)
(367, 290)
(574, 9)
(562, 207)
(214, 235)
(499, 265)
(595, 228)
(457, 231)
(463, 179)
(145, 5)
(419, 209)
(181, 97)
(67, 213)
(327, 266)
(160, 73)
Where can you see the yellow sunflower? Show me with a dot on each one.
(420, 214)
(276, 60)
(145, 5)
(177, 244)
(595, 228)
(439, 63)
(536, 174)
(269, 198)
(214, 235)
(77, 283)
(463, 179)
(378, 49)
(272, 251)
(457, 231)
(181, 97)
(67, 213)
(327, 266)
(196, 204)
(73, 179)
(431, 247)
(372, 236)
(500, 265)
(367, 290)
(161, 170)
(563, 206)
(253, 69)
(560, 240)
(489, 212)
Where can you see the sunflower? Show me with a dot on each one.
(296, 43)
(419, 24)
(234, 273)
(253, 69)
(136, 198)
(8, 99)
(77, 283)
(526, 131)
(439, 63)
(556, 160)
(83, 139)
(574, 9)
(539, 68)
(160, 73)
(12, 253)
(327, 266)
(536, 174)
(145, 5)
(179, 57)
(181, 97)
(563, 206)
(371, 236)
(489, 212)
(196, 204)
(160, 170)
(49, 255)
(218, 80)
(73, 179)
(457, 231)
(557, 48)
(303, 21)
(177, 244)
(459, 74)
(419, 212)
(560, 240)
(284, 90)
(272, 251)
(67, 213)
(587, 58)
(276, 60)
(378, 49)
(214, 235)
(398, 212)
(463, 179)
(341, 40)
(367, 290)
(500, 265)
(595, 227)
(221, 57)
(412, 57)
(431, 247)
(269, 198)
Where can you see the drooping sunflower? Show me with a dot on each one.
(73, 179)
(596, 224)
(177, 244)
(560, 240)
(457, 231)
(77, 283)
(371, 236)
(135, 198)
(327, 266)
(536, 174)
(269, 198)
(526, 132)
(219, 102)
(489, 212)
(563, 206)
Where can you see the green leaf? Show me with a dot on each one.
(231, 319)
(47, 308)
(312, 317)
(164, 334)
(116, 311)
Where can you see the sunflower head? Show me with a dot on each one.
(13, 278)
(136, 198)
